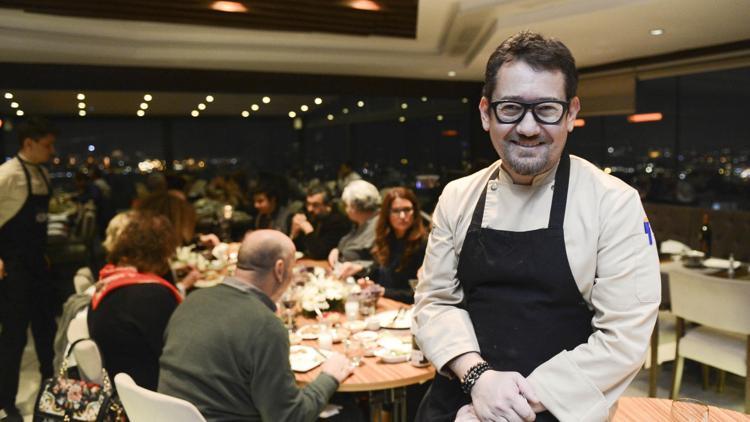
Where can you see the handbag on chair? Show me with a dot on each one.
(65, 398)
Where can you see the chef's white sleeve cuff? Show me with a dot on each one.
(446, 336)
(566, 392)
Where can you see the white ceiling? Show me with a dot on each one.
(451, 36)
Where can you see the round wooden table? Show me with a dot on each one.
(386, 382)
(639, 409)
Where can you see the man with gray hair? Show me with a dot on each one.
(228, 353)
(353, 256)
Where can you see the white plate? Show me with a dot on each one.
(402, 323)
(394, 355)
(304, 358)
(355, 326)
(365, 336)
(720, 264)
(298, 255)
(309, 332)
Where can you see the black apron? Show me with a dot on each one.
(521, 296)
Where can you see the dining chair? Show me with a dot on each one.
(86, 354)
(721, 308)
(142, 405)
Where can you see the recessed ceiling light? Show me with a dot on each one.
(464, 100)
(304, 107)
(318, 100)
(329, 117)
(82, 113)
(345, 110)
(81, 96)
(254, 107)
(195, 113)
(266, 100)
(81, 105)
(201, 106)
(209, 98)
(402, 119)
(452, 73)
(14, 105)
(144, 106)
(368, 5)
(439, 117)
(360, 103)
(140, 113)
(292, 114)
(19, 112)
(656, 31)
(245, 113)
(8, 96)
(229, 6)
(148, 97)
(404, 106)
(424, 99)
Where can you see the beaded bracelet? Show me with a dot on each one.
(472, 376)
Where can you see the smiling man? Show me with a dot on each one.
(540, 287)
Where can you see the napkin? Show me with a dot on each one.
(673, 247)
(720, 264)
(330, 410)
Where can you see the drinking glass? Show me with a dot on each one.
(355, 350)
(289, 300)
(689, 410)
(367, 305)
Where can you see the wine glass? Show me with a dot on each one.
(355, 351)
(289, 300)
(688, 410)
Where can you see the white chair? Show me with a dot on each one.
(723, 339)
(86, 353)
(662, 347)
(142, 405)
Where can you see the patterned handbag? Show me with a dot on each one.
(63, 398)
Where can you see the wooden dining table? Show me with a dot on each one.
(385, 383)
(640, 409)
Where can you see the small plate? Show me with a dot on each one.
(304, 358)
(355, 326)
(365, 336)
(398, 355)
(309, 332)
(387, 320)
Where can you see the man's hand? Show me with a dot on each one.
(2, 269)
(333, 257)
(338, 366)
(300, 224)
(508, 395)
(466, 414)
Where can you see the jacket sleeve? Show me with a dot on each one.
(582, 384)
(443, 329)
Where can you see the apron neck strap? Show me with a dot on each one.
(559, 197)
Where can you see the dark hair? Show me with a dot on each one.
(539, 52)
(146, 243)
(35, 128)
(414, 236)
(177, 210)
(270, 189)
(319, 188)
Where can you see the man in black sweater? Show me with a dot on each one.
(316, 233)
(228, 353)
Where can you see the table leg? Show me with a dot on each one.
(376, 400)
(398, 399)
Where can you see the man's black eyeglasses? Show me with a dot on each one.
(547, 112)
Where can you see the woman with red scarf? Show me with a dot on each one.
(130, 310)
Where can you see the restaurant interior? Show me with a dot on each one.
(296, 90)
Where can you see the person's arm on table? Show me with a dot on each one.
(583, 384)
(445, 332)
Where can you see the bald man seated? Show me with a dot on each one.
(228, 353)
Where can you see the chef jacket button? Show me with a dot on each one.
(493, 186)
(552, 187)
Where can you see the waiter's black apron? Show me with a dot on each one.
(26, 295)
(521, 296)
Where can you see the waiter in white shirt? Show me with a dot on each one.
(541, 278)
(26, 296)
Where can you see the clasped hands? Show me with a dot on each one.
(499, 397)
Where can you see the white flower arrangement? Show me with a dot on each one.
(322, 293)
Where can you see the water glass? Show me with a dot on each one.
(355, 351)
(367, 305)
(689, 410)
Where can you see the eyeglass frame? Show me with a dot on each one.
(526, 107)
(406, 210)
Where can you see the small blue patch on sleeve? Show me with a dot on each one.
(647, 229)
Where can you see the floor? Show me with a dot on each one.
(731, 398)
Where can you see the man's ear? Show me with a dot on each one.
(573, 109)
(279, 270)
(484, 113)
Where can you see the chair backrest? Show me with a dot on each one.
(86, 353)
(83, 279)
(142, 405)
(712, 301)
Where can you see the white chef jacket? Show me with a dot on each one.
(612, 255)
(13, 188)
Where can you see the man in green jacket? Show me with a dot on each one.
(228, 353)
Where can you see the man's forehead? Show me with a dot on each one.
(316, 197)
(517, 80)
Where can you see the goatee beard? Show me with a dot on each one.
(526, 161)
